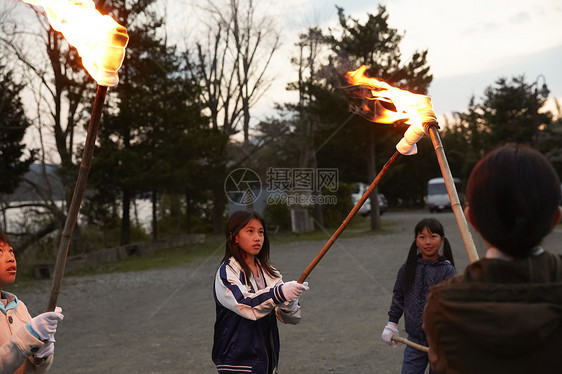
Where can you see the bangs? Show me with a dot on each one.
(432, 225)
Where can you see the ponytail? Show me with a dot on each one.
(447, 253)
(410, 268)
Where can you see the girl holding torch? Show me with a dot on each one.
(250, 296)
(504, 314)
(26, 344)
(424, 267)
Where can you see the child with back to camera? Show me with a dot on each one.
(424, 267)
(250, 296)
(26, 344)
(504, 314)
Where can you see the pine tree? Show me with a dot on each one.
(13, 123)
(148, 136)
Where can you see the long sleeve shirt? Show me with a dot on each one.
(411, 303)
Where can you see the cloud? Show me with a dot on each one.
(453, 93)
(520, 17)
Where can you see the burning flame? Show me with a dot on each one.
(413, 109)
(382, 98)
(99, 40)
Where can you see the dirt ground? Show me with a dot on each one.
(161, 321)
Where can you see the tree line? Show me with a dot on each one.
(181, 120)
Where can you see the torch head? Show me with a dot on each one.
(392, 105)
(99, 39)
(109, 56)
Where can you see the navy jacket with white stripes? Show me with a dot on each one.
(246, 323)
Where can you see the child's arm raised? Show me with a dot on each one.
(233, 294)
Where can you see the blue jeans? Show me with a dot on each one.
(415, 361)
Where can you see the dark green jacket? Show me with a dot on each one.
(498, 317)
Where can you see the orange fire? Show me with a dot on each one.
(99, 40)
(410, 108)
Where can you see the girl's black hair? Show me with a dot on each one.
(435, 227)
(4, 238)
(238, 220)
(513, 194)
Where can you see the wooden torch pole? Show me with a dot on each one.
(346, 221)
(417, 346)
(452, 191)
(79, 189)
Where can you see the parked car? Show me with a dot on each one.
(437, 198)
(365, 210)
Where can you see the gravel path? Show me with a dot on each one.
(161, 321)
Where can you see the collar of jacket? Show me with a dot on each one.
(12, 302)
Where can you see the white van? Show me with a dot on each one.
(437, 198)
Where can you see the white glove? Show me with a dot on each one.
(47, 350)
(45, 324)
(292, 290)
(390, 330)
(290, 306)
